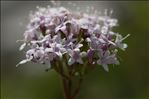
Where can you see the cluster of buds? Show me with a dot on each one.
(55, 34)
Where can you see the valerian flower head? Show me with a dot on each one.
(57, 33)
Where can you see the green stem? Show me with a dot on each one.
(77, 89)
(60, 72)
(67, 79)
(65, 88)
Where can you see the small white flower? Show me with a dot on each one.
(30, 35)
(75, 57)
(104, 29)
(118, 41)
(106, 58)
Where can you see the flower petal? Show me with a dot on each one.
(59, 54)
(22, 62)
(80, 61)
(49, 50)
(105, 66)
(22, 46)
(71, 61)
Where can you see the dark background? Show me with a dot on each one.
(129, 80)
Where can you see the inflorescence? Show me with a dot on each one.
(57, 33)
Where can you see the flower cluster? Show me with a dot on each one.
(57, 33)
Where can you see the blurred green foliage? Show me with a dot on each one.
(129, 80)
